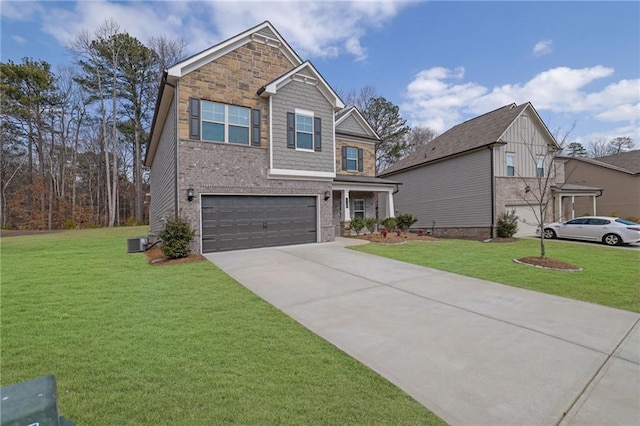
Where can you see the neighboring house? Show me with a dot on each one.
(618, 175)
(248, 146)
(460, 182)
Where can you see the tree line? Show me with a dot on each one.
(72, 140)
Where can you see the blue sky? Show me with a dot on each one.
(441, 62)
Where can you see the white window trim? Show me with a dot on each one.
(226, 123)
(356, 159)
(364, 207)
(506, 170)
(540, 159)
(306, 113)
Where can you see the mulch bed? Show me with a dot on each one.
(548, 263)
(393, 238)
(156, 257)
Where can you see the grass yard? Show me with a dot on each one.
(610, 277)
(131, 343)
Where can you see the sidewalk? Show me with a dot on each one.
(471, 351)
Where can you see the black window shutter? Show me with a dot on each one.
(291, 130)
(344, 158)
(194, 118)
(360, 159)
(317, 139)
(255, 127)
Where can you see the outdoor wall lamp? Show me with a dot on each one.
(190, 193)
(327, 195)
(527, 189)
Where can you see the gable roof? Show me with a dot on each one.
(629, 160)
(354, 112)
(311, 76)
(264, 32)
(479, 132)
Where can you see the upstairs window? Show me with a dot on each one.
(217, 122)
(225, 123)
(304, 131)
(511, 164)
(352, 159)
(540, 166)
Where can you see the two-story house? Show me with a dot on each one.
(254, 148)
(459, 183)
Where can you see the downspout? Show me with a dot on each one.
(493, 200)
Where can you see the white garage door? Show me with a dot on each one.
(527, 223)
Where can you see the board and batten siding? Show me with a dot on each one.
(526, 140)
(453, 193)
(163, 175)
(307, 97)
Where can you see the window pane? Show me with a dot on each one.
(239, 135)
(304, 123)
(212, 111)
(352, 164)
(239, 116)
(212, 132)
(511, 171)
(352, 153)
(358, 205)
(304, 140)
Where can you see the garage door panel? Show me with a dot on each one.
(240, 222)
(527, 222)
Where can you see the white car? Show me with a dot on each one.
(612, 231)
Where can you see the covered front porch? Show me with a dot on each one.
(361, 196)
(565, 195)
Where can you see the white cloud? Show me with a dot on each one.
(543, 47)
(24, 11)
(20, 41)
(440, 98)
(314, 29)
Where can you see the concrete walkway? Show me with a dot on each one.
(471, 351)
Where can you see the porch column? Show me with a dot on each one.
(390, 205)
(560, 218)
(573, 207)
(346, 211)
(593, 197)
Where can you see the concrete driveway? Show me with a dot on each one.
(471, 351)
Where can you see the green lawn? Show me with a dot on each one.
(610, 277)
(136, 344)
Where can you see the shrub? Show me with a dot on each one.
(405, 220)
(370, 223)
(357, 224)
(70, 224)
(176, 236)
(507, 224)
(389, 223)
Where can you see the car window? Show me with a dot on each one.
(626, 222)
(578, 221)
(599, 222)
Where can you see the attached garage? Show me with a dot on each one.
(527, 222)
(235, 222)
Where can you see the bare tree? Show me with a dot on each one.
(362, 98)
(417, 137)
(538, 191)
(598, 148)
(169, 51)
(620, 144)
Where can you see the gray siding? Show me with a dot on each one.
(163, 175)
(453, 193)
(526, 140)
(304, 96)
(351, 125)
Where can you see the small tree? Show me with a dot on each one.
(176, 237)
(357, 224)
(370, 223)
(405, 220)
(389, 223)
(507, 224)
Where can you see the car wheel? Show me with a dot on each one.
(549, 233)
(612, 240)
